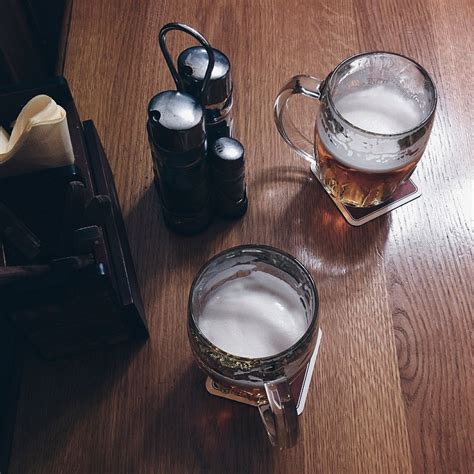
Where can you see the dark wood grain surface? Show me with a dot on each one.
(392, 390)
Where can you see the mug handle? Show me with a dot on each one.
(279, 415)
(305, 85)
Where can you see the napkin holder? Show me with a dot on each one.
(95, 306)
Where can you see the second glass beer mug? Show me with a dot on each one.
(374, 120)
(252, 326)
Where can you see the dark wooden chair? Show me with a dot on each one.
(32, 40)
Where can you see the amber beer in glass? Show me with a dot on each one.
(374, 120)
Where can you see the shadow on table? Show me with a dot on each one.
(193, 431)
(59, 398)
(320, 235)
(310, 226)
(158, 249)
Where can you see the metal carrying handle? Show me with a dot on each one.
(169, 61)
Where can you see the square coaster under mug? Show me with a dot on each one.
(358, 216)
(299, 387)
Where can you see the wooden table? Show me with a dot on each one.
(392, 390)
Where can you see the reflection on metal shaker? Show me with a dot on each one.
(217, 97)
(182, 126)
(178, 145)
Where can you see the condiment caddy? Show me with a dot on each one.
(198, 167)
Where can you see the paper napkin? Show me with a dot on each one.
(39, 139)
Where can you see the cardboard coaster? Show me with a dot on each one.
(299, 386)
(357, 216)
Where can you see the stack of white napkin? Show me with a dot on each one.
(39, 139)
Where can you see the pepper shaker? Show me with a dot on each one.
(226, 161)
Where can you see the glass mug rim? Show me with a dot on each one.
(256, 360)
(327, 83)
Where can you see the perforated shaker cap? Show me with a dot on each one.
(176, 121)
(227, 155)
(192, 65)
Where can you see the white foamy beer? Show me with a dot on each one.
(372, 126)
(253, 325)
(256, 315)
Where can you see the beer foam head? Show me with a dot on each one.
(380, 109)
(256, 315)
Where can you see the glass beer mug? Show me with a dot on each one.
(252, 327)
(374, 120)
